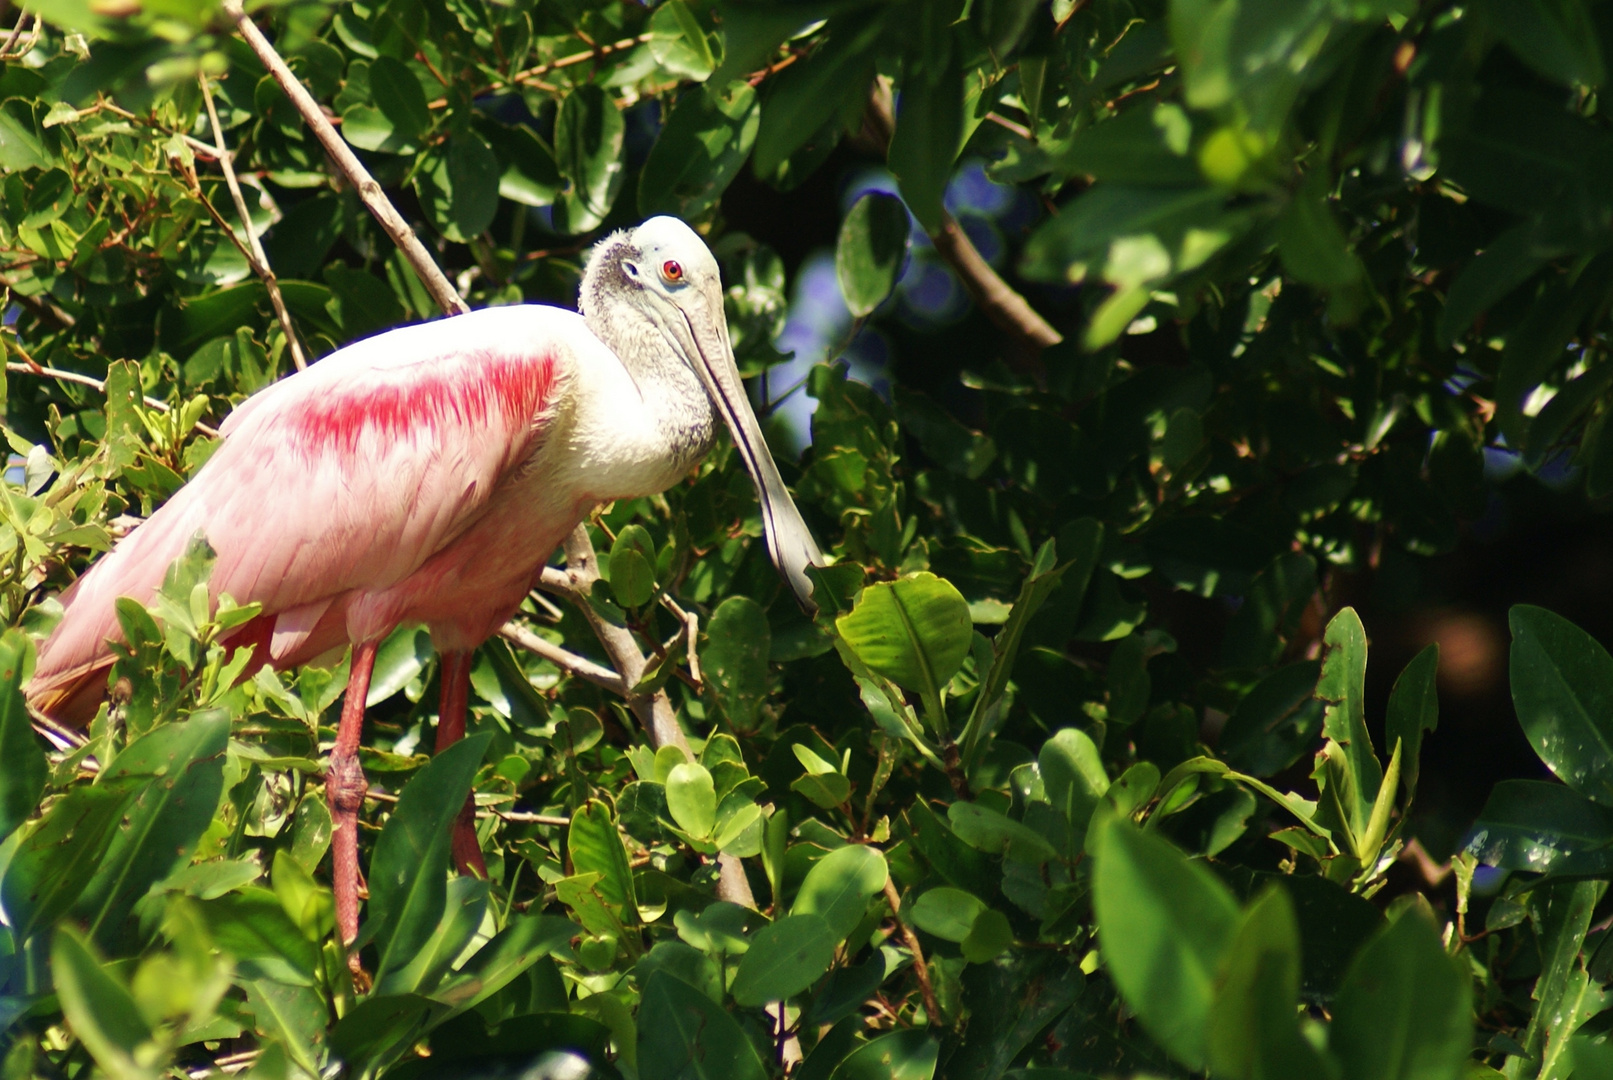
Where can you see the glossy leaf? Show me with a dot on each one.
(899, 1055)
(691, 799)
(596, 848)
(104, 1016)
(185, 762)
(1343, 687)
(408, 874)
(23, 767)
(734, 661)
(914, 631)
(988, 830)
(1413, 711)
(700, 150)
(871, 251)
(59, 856)
(1165, 926)
(784, 959)
(946, 912)
(1543, 828)
(684, 1035)
(838, 887)
(588, 149)
(1404, 1010)
(1562, 686)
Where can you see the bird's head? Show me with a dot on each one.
(665, 271)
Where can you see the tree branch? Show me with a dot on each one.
(255, 256)
(97, 384)
(348, 164)
(568, 661)
(931, 1008)
(1007, 310)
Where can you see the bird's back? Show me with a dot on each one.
(344, 477)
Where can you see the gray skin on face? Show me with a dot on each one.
(654, 296)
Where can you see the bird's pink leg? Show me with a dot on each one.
(345, 788)
(451, 714)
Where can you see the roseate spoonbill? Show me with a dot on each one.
(426, 475)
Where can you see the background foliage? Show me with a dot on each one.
(1089, 698)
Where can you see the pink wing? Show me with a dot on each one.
(346, 476)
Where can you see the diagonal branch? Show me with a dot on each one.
(255, 256)
(348, 164)
(1008, 310)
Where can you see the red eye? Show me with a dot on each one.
(672, 271)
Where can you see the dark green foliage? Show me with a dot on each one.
(1086, 712)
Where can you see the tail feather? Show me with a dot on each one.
(70, 674)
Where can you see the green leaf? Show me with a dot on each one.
(1165, 926)
(988, 830)
(1562, 687)
(692, 799)
(524, 941)
(1146, 145)
(23, 768)
(59, 856)
(678, 42)
(252, 924)
(784, 959)
(632, 567)
(20, 147)
(899, 1055)
(185, 762)
(408, 872)
(1543, 828)
(1074, 777)
(871, 251)
(988, 938)
(1561, 912)
(588, 149)
(1413, 710)
(914, 631)
(929, 132)
(596, 848)
(1253, 1029)
(529, 174)
(700, 149)
(1276, 722)
(400, 97)
(946, 912)
(829, 85)
(734, 661)
(684, 1035)
(100, 1009)
(1313, 247)
(1558, 39)
(838, 887)
(465, 905)
(461, 187)
(1404, 1011)
(1343, 687)
(295, 1015)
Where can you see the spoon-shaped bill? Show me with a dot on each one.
(789, 542)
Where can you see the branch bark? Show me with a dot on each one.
(1007, 310)
(255, 256)
(347, 163)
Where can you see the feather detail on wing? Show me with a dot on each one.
(347, 476)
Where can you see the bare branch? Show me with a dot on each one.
(931, 1008)
(369, 192)
(256, 256)
(1007, 310)
(98, 384)
(563, 658)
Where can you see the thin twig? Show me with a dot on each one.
(369, 192)
(523, 818)
(98, 384)
(932, 1009)
(583, 668)
(10, 51)
(258, 259)
(598, 52)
